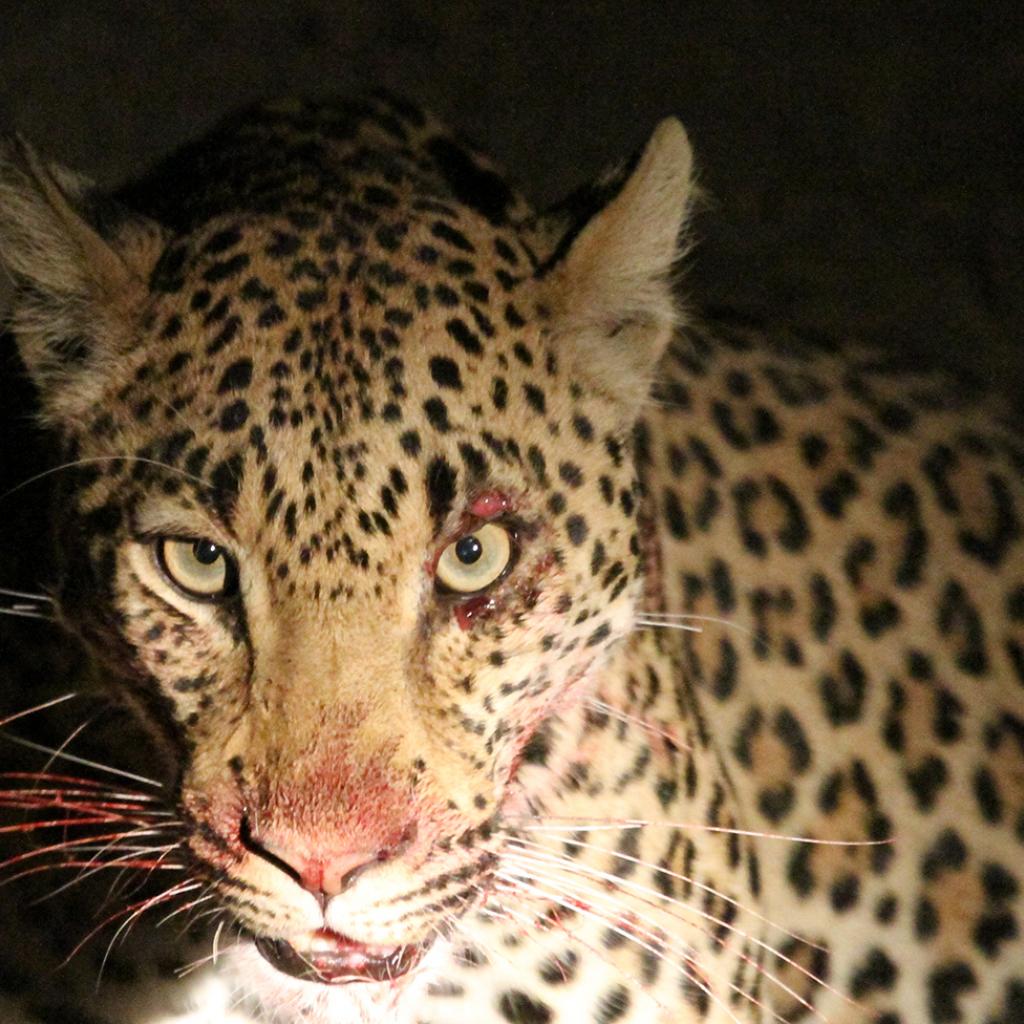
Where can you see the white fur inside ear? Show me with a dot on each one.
(612, 294)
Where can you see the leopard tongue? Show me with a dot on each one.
(334, 959)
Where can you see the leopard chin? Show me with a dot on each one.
(329, 958)
(280, 995)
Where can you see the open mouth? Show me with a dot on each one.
(334, 959)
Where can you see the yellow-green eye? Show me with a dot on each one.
(198, 568)
(475, 560)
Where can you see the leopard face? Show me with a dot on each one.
(353, 509)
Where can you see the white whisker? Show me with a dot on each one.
(688, 964)
(17, 612)
(653, 897)
(630, 823)
(74, 759)
(7, 592)
(686, 627)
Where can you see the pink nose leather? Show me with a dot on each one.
(332, 875)
(325, 874)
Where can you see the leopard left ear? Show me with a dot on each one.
(607, 281)
(80, 264)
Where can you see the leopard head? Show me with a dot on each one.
(350, 513)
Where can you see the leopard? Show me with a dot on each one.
(504, 636)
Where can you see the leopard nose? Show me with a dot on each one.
(324, 873)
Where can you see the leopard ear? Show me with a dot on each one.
(607, 278)
(79, 264)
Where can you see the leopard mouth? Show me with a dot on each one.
(334, 959)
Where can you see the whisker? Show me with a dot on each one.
(659, 935)
(72, 758)
(21, 611)
(102, 458)
(530, 926)
(7, 592)
(686, 879)
(560, 900)
(643, 623)
(184, 909)
(655, 898)
(72, 736)
(610, 824)
(64, 845)
(4, 722)
(211, 958)
(135, 911)
(91, 867)
(624, 716)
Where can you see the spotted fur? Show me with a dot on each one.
(739, 735)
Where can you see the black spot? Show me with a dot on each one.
(947, 853)
(178, 362)
(788, 729)
(959, 620)
(225, 480)
(991, 549)
(445, 373)
(794, 534)
(464, 336)
(437, 413)
(945, 986)
(444, 231)
(998, 883)
(675, 517)
(225, 336)
(926, 919)
(843, 693)
(823, 607)
(535, 398)
(560, 969)
(224, 269)
(234, 416)
(571, 474)
(519, 1008)
(927, 780)
(834, 495)
(576, 527)
(478, 187)
(814, 448)
(993, 929)
(612, 1005)
(986, 792)
(440, 485)
(845, 893)
(877, 973)
(777, 802)
(236, 377)
(221, 240)
(878, 618)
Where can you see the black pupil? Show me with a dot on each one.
(205, 552)
(468, 550)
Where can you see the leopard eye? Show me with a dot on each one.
(475, 560)
(200, 569)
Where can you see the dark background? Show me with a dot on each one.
(863, 159)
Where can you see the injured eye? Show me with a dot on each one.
(200, 569)
(475, 560)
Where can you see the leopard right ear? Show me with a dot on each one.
(79, 264)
